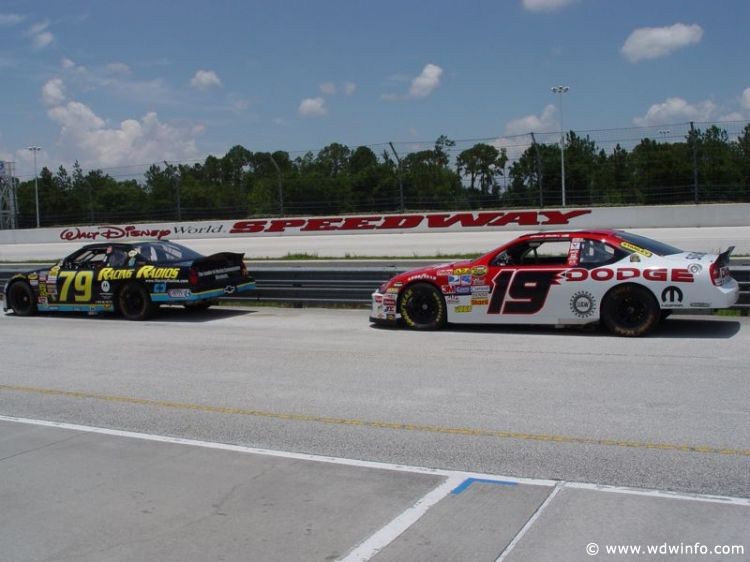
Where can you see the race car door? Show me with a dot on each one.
(525, 280)
(75, 278)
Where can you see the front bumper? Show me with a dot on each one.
(383, 309)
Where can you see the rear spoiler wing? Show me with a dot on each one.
(723, 259)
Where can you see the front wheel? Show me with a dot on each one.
(134, 302)
(21, 299)
(630, 310)
(422, 307)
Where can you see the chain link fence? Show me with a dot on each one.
(667, 164)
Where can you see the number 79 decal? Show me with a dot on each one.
(521, 292)
(82, 282)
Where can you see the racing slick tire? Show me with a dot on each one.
(134, 302)
(21, 299)
(422, 307)
(630, 310)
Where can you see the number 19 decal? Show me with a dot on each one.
(521, 292)
(82, 282)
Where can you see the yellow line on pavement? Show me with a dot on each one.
(380, 424)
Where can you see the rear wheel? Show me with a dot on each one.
(21, 299)
(134, 302)
(630, 310)
(422, 307)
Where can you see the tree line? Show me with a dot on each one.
(703, 166)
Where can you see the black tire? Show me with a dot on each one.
(134, 302)
(21, 299)
(630, 311)
(422, 307)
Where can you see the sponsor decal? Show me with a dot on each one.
(229, 289)
(583, 304)
(113, 233)
(695, 256)
(452, 299)
(454, 279)
(462, 309)
(105, 287)
(663, 274)
(444, 272)
(479, 270)
(461, 271)
(636, 249)
(479, 281)
(160, 287)
(480, 301)
(671, 295)
(154, 272)
(180, 293)
(462, 290)
(421, 276)
(635, 258)
(377, 298)
(398, 284)
(700, 304)
(112, 274)
(695, 268)
(466, 279)
(393, 289)
(219, 272)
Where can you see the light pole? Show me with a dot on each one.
(664, 133)
(35, 149)
(560, 90)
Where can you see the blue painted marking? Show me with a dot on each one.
(469, 481)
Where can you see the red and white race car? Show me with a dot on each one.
(626, 282)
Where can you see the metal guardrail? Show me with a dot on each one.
(353, 285)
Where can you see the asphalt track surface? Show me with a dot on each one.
(668, 412)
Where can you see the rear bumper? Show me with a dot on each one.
(188, 295)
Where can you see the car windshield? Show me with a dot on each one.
(166, 252)
(658, 248)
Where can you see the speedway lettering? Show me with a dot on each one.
(406, 222)
(112, 233)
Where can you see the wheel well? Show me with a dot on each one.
(650, 292)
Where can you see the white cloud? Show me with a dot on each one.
(674, 110)
(746, 98)
(328, 88)
(312, 107)
(40, 37)
(426, 82)
(349, 88)
(205, 79)
(544, 123)
(546, 5)
(655, 42)
(734, 116)
(86, 137)
(9, 20)
(117, 68)
(53, 92)
(66, 63)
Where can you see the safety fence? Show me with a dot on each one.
(352, 286)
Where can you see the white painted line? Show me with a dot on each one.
(512, 544)
(380, 465)
(281, 454)
(395, 528)
(745, 502)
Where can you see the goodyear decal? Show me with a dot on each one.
(636, 249)
(153, 272)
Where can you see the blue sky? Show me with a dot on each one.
(123, 83)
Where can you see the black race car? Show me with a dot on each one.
(131, 278)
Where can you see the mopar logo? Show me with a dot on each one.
(671, 294)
